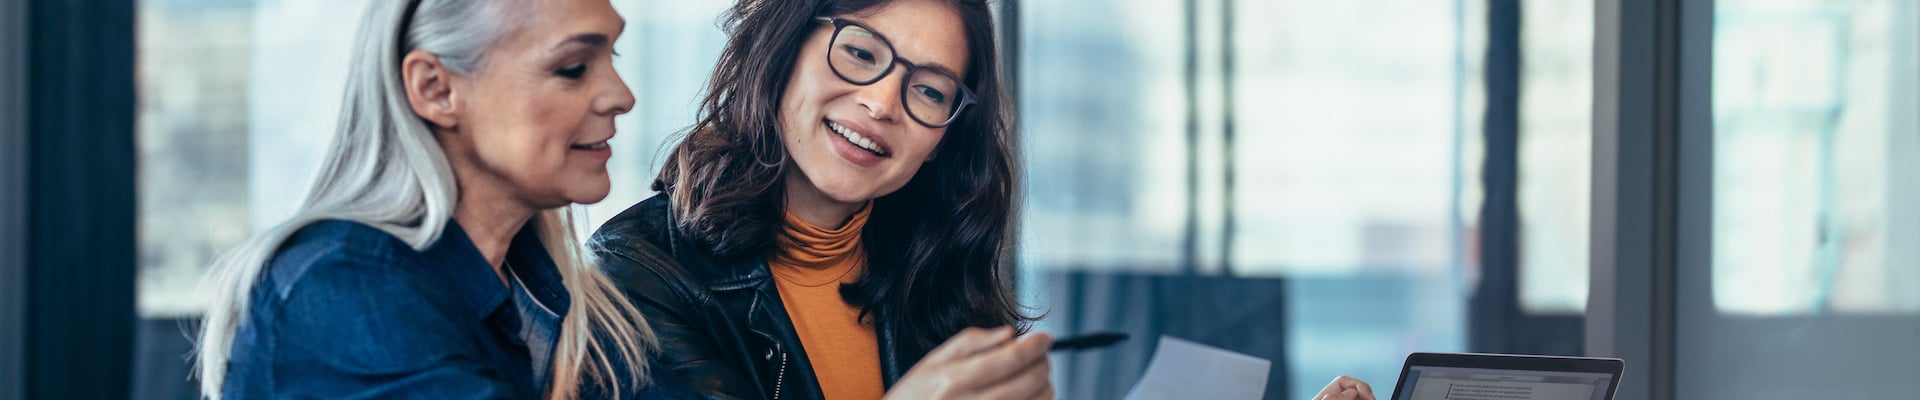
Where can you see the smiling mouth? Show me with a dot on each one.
(854, 137)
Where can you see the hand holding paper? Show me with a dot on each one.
(1182, 369)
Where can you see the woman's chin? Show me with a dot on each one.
(842, 186)
(589, 192)
(849, 194)
(590, 200)
(589, 197)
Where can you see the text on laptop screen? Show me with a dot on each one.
(1446, 383)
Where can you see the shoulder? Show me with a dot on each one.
(641, 236)
(637, 248)
(351, 291)
(646, 255)
(648, 222)
(334, 252)
(334, 265)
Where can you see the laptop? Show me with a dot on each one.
(1463, 376)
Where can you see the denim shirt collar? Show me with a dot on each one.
(473, 277)
(540, 299)
(468, 273)
(529, 263)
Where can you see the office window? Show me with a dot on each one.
(201, 70)
(1336, 149)
(1102, 117)
(237, 103)
(1556, 154)
(1815, 177)
(1351, 128)
(1815, 171)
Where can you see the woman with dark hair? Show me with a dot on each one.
(836, 223)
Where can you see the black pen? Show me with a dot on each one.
(1088, 341)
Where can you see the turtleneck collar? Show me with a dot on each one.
(822, 255)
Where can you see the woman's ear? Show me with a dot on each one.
(429, 89)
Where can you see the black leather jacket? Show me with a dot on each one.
(721, 325)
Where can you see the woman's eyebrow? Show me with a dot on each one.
(937, 66)
(591, 39)
(932, 65)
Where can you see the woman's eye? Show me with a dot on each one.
(573, 72)
(860, 53)
(932, 95)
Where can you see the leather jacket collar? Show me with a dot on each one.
(730, 313)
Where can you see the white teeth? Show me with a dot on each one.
(855, 138)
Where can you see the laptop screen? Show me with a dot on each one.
(1452, 383)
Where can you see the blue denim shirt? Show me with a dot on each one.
(345, 310)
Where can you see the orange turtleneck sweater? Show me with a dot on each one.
(808, 267)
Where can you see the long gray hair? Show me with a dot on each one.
(385, 169)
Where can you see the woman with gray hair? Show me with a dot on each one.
(434, 256)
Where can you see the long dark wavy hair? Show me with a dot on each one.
(937, 247)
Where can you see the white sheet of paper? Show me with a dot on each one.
(1182, 369)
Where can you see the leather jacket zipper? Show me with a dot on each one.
(780, 379)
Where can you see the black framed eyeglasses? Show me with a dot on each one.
(932, 95)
